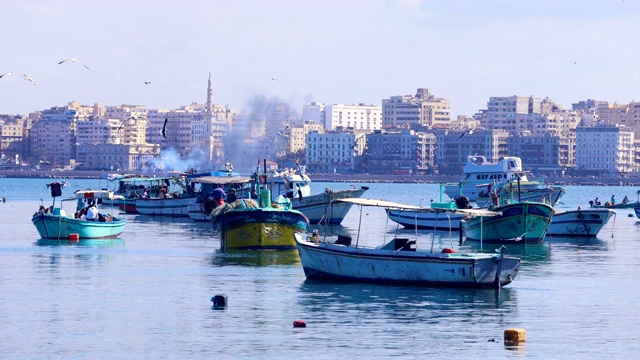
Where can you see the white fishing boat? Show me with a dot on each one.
(480, 178)
(172, 199)
(319, 208)
(580, 222)
(401, 261)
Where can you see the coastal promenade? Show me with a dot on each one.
(357, 178)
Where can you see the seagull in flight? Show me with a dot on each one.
(280, 133)
(74, 60)
(164, 128)
(470, 131)
(147, 82)
(25, 76)
(274, 79)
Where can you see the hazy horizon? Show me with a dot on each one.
(335, 52)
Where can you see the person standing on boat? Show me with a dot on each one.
(625, 200)
(219, 195)
(613, 199)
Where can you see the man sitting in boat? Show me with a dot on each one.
(218, 196)
(92, 213)
(625, 200)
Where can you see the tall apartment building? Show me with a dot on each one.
(298, 135)
(330, 151)
(389, 151)
(510, 113)
(12, 139)
(356, 116)
(605, 150)
(544, 153)
(421, 110)
(454, 147)
(53, 137)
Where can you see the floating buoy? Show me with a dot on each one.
(73, 237)
(630, 215)
(299, 323)
(219, 300)
(515, 336)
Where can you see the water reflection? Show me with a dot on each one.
(406, 302)
(255, 258)
(86, 242)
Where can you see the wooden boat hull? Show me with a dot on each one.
(128, 206)
(321, 208)
(629, 205)
(164, 207)
(582, 223)
(528, 219)
(60, 227)
(259, 229)
(345, 263)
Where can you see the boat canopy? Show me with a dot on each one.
(97, 194)
(394, 205)
(222, 180)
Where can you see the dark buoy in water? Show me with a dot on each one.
(630, 215)
(219, 301)
(299, 323)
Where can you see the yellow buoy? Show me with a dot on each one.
(514, 336)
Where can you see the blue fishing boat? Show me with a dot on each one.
(54, 222)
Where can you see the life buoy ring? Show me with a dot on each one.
(208, 206)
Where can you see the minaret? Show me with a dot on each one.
(209, 95)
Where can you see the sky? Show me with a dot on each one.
(330, 51)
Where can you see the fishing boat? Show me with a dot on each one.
(400, 261)
(319, 208)
(55, 222)
(481, 177)
(173, 194)
(637, 211)
(580, 222)
(518, 222)
(229, 181)
(621, 205)
(249, 224)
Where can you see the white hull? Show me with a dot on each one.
(167, 207)
(425, 220)
(346, 263)
(583, 223)
(318, 208)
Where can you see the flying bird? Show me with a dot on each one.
(147, 82)
(29, 78)
(280, 133)
(74, 60)
(164, 128)
(470, 131)
(25, 76)
(274, 79)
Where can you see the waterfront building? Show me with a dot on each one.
(298, 135)
(402, 151)
(13, 131)
(510, 113)
(419, 111)
(454, 147)
(356, 116)
(545, 153)
(330, 151)
(605, 150)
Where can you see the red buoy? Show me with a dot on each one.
(299, 323)
(73, 237)
(448, 251)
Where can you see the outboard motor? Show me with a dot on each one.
(463, 202)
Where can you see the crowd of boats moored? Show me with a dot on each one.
(493, 203)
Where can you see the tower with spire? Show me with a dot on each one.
(209, 95)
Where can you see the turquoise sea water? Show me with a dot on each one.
(147, 294)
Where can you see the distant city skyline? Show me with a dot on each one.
(159, 53)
